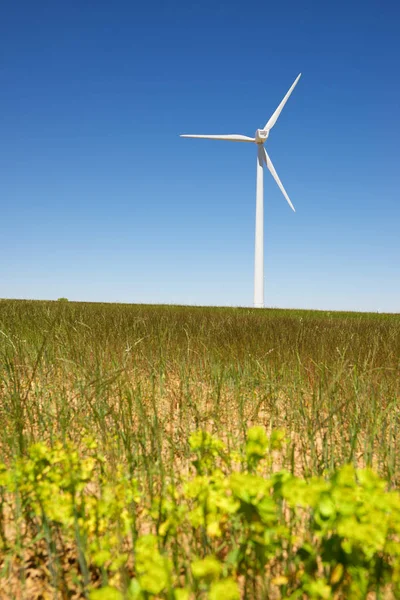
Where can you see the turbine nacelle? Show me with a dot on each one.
(261, 135)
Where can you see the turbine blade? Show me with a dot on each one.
(278, 111)
(274, 174)
(231, 137)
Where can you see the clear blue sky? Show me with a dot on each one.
(102, 201)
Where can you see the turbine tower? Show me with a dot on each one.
(260, 137)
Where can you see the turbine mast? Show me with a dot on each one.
(259, 238)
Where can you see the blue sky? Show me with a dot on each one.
(102, 201)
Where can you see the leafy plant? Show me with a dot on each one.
(225, 530)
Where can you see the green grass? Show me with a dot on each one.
(152, 374)
(140, 379)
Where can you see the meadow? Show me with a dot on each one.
(189, 452)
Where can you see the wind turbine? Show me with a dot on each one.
(262, 159)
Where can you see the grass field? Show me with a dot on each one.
(123, 387)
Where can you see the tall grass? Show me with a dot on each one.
(139, 379)
(152, 374)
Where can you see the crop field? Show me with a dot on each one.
(191, 453)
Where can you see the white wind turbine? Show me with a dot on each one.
(262, 157)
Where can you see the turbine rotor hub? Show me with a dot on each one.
(261, 135)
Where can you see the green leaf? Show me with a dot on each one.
(326, 507)
(106, 593)
(227, 589)
(208, 568)
(318, 590)
(256, 443)
(134, 590)
(182, 594)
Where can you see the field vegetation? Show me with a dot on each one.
(181, 453)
